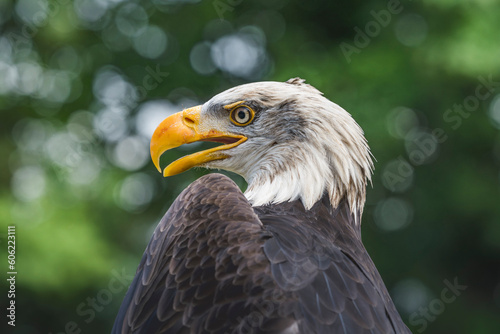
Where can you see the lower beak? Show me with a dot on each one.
(183, 128)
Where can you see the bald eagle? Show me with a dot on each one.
(285, 256)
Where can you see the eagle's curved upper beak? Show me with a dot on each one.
(183, 128)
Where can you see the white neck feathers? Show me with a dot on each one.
(339, 164)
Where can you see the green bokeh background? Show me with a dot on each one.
(78, 100)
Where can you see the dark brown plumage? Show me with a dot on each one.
(217, 265)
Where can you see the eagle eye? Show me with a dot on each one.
(242, 115)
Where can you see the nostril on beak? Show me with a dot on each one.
(191, 117)
(188, 121)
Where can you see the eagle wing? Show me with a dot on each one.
(319, 255)
(204, 269)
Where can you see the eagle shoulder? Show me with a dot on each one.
(201, 266)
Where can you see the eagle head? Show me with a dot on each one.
(286, 139)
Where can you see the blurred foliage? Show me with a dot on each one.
(84, 83)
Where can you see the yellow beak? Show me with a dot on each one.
(183, 128)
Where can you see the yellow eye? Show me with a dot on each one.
(242, 115)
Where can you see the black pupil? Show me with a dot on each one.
(242, 115)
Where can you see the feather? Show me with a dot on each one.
(286, 265)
